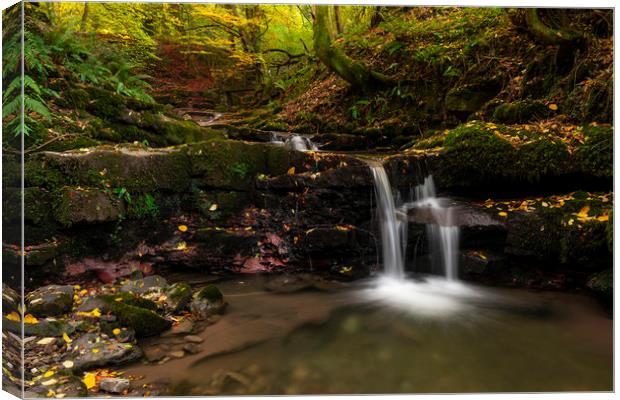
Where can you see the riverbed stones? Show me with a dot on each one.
(92, 350)
(49, 301)
(194, 339)
(114, 385)
(206, 302)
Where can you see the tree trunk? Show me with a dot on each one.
(84, 18)
(352, 71)
(337, 19)
(545, 33)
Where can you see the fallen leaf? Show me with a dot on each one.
(603, 218)
(95, 350)
(291, 171)
(67, 364)
(30, 319)
(90, 380)
(182, 246)
(13, 316)
(66, 337)
(116, 331)
(49, 382)
(213, 207)
(183, 228)
(48, 374)
(46, 340)
(502, 214)
(553, 106)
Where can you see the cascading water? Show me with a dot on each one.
(443, 234)
(432, 296)
(294, 142)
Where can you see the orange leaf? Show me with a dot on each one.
(291, 171)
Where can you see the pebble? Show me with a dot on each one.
(177, 354)
(114, 385)
(192, 348)
(194, 339)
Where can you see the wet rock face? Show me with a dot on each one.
(77, 205)
(49, 301)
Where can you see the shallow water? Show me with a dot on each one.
(424, 336)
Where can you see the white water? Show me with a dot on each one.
(294, 142)
(434, 295)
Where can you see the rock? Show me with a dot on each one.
(194, 339)
(154, 353)
(144, 285)
(43, 328)
(178, 295)
(77, 205)
(207, 301)
(177, 354)
(114, 385)
(192, 348)
(182, 328)
(65, 385)
(143, 321)
(10, 299)
(466, 100)
(49, 301)
(92, 351)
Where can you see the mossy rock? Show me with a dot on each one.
(44, 327)
(178, 296)
(105, 103)
(602, 283)
(129, 299)
(85, 205)
(520, 111)
(134, 168)
(595, 156)
(206, 302)
(49, 301)
(10, 299)
(465, 100)
(144, 322)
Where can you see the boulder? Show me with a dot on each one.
(49, 301)
(143, 321)
(95, 351)
(153, 283)
(44, 327)
(206, 302)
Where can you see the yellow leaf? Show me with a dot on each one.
(30, 319)
(48, 374)
(116, 331)
(67, 364)
(96, 312)
(553, 106)
(13, 316)
(545, 204)
(90, 380)
(183, 228)
(583, 213)
(49, 382)
(291, 171)
(502, 214)
(603, 218)
(46, 340)
(66, 337)
(95, 350)
(213, 207)
(182, 246)
(571, 221)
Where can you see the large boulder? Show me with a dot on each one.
(84, 205)
(206, 302)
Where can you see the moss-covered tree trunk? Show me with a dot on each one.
(547, 34)
(352, 71)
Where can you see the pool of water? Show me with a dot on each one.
(424, 336)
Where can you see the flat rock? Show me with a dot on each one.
(51, 300)
(92, 351)
(114, 385)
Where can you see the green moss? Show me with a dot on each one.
(541, 158)
(602, 283)
(77, 98)
(595, 155)
(129, 299)
(105, 103)
(520, 112)
(209, 292)
(144, 322)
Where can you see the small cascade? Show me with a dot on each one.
(443, 233)
(391, 229)
(294, 142)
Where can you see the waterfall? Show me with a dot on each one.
(391, 229)
(294, 142)
(442, 232)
